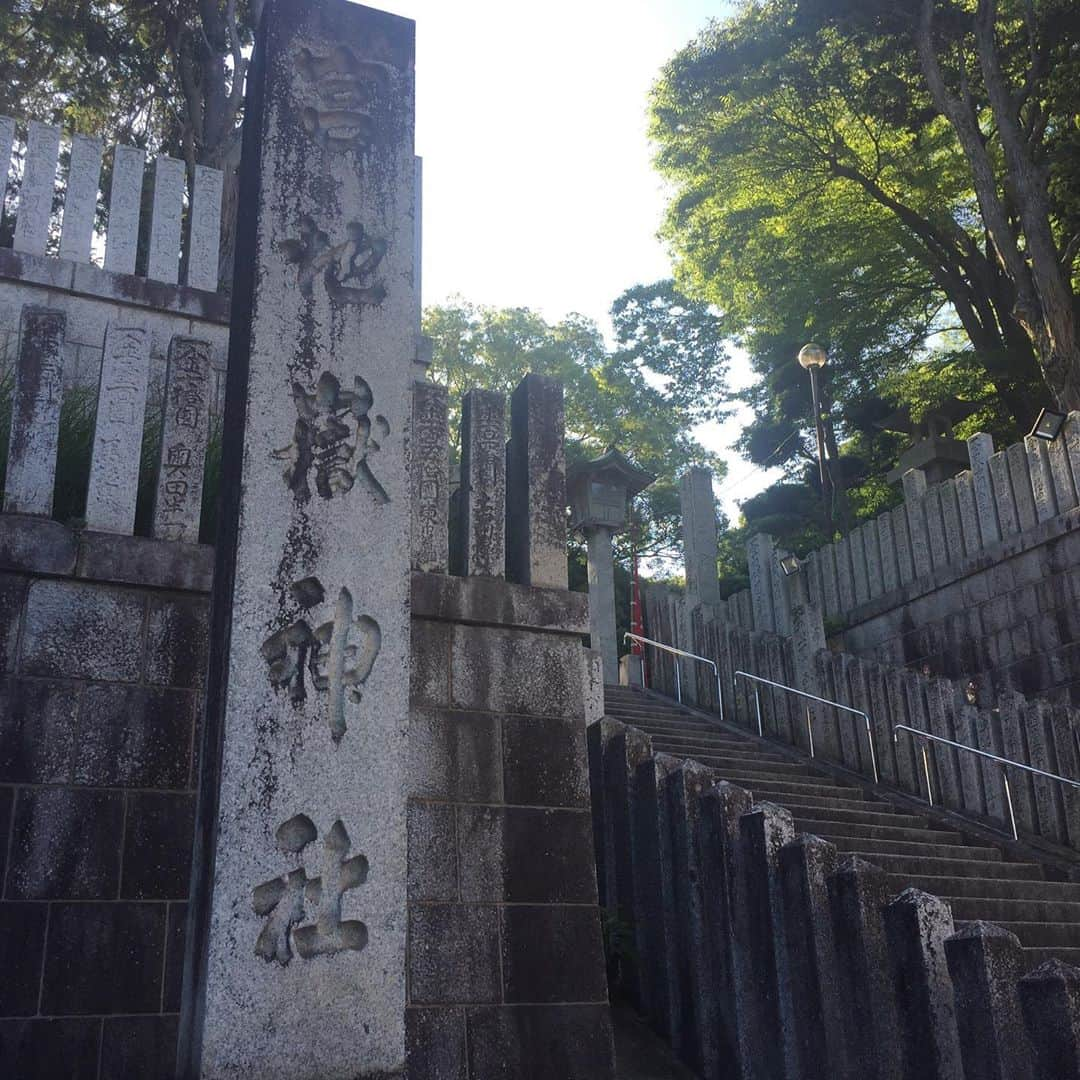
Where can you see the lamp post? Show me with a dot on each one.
(812, 358)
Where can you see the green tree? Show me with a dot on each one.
(611, 396)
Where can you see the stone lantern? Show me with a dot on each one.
(600, 492)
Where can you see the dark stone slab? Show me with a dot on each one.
(139, 1046)
(490, 602)
(37, 731)
(175, 936)
(134, 736)
(552, 954)
(104, 958)
(544, 762)
(138, 560)
(525, 855)
(433, 865)
(66, 844)
(455, 756)
(177, 631)
(517, 671)
(453, 954)
(157, 846)
(36, 545)
(80, 631)
(435, 1044)
(541, 1042)
(22, 945)
(7, 800)
(48, 1049)
(984, 962)
(12, 599)
(429, 672)
(1050, 999)
(146, 292)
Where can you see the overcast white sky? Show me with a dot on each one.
(538, 186)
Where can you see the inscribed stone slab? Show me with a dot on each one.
(1042, 480)
(125, 195)
(430, 477)
(482, 520)
(313, 691)
(204, 237)
(1003, 494)
(980, 451)
(760, 554)
(1023, 495)
(121, 410)
(698, 507)
(36, 191)
(163, 257)
(80, 199)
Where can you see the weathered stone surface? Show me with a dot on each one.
(544, 761)
(185, 429)
(430, 478)
(1050, 999)
(902, 537)
(917, 925)
(514, 671)
(35, 413)
(80, 198)
(41, 1048)
(536, 485)
(984, 962)
(698, 507)
(12, 600)
(163, 256)
(22, 946)
(121, 408)
(433, 845)
(65, 844)
(37, 731)
(314, 555)
(805, 864)
(83, 631)
(157, 846)
(488, 602)
(601, 571)
(760, 556)
(36, 190)
(594, 684)
(970, 529)
(125, 194)
(204, 232)
(435, 1043)
(136, 560)
(481, 523)
(429, 672)
(1023, 496)
(1003, 494)
(454, 954)
(980, 451)
(7, 141)
(143, 1046)
(1042, 480)
(455, 756)
(177, 641)
(551, 953)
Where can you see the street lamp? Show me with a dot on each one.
(813, 358)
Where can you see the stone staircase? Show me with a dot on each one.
(980, 880)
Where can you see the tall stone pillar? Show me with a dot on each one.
(698, 507)
(602, 599)
(296, 962)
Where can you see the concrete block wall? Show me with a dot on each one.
(103, 644)
(1028, 730)
(757, 930)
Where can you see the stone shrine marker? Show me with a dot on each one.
(297, 939)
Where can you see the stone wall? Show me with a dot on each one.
(103, 643)
(767, 953)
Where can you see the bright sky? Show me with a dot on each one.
(538, 185)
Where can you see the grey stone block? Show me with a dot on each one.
(917, 925)
(430, 668)
(137, 560)
(455, 756)
(984, 962)
(514, 671)
(453, 954)
(433, 866)
(525, 855)
(83, 631)
(551, 954)
(22, 947)
(36, 545)
(65, 844)
(157, 846)
(40, 1049)
(12, 599)
(37, 731)
(1050, 999)
(177, 632)
(544, 762)
(435, 1044)
(142, 1046)
(542, 1042)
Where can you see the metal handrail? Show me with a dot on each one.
(678, 677)
(980, 753)
(812, 697)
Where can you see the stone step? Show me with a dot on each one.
(1040, 935)
(940, 865)
(991, 887)
(763, 786)
(870, 813)
(919, 833)
(680, 727)
(818, 802)
(1032, 958)
(871, 849)
(999, 909)
(750, 766)
(741, 747)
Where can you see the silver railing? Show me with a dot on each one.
(678, 678)
(812, 697)
(1003, 762)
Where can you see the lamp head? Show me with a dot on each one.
(790, 564)
(812, 356)
(1049, 425)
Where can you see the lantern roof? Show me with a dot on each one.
(612, 467)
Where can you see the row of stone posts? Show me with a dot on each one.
(761, 953)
